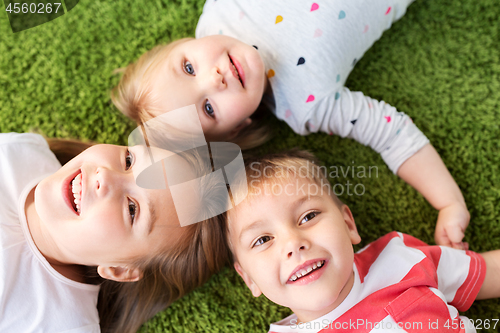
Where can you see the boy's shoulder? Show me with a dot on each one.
(391, 274)
(399, 251)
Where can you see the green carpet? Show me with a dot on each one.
(440, 64)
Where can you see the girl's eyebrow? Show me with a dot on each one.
(254, 225)
(151, 217)
(177, 64)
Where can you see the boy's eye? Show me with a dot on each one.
(129, 159)
(132, 209)
(308, 217)
(209, 110)
(261, 240)
(188, 68)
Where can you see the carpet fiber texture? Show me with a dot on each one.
(440, 64)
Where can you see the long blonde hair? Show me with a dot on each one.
(124, 306)
(134, 96)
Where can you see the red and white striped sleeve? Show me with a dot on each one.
(459, 273)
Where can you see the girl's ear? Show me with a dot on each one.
(241, 126)
(248, 281)
(119, 273)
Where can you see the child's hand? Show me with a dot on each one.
(451, 224)
(426, 172)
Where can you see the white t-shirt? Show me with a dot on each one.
(34, 297)
(403, 285)
(309, 49)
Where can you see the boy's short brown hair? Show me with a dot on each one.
(281, 168)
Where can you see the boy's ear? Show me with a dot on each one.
(241, 126)
(351, 225)
(119, 273)
(248, 281)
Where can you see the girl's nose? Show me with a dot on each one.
(107, 180)
(215, 79)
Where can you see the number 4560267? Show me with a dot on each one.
(33, 8)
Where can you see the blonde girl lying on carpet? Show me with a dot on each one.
(83, 248)
(293, 60)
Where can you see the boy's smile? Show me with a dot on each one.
(308, 272)
(295, 247)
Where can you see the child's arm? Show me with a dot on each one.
(491, 287)
(406, 151)
(426, 172)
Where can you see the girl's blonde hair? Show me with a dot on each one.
(202, 251)
(134, 96)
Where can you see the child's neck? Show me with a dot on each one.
(70, 271)
(304, 316)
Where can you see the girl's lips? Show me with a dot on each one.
(241, 73)
(67, 192)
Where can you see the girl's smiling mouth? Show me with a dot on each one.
(237, 70)
(73, 192)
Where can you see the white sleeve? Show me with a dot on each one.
(373, 123)
(23, 158)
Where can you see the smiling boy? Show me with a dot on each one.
(295, 247)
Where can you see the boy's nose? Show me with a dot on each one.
(295, 245)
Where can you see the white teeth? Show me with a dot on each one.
(305, 271)
(77, 184)
(76, 188)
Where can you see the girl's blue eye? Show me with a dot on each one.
(309, 217)
(132, 209)
(129, 159)
(188, 68)
(262, 240)
(209, 110)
